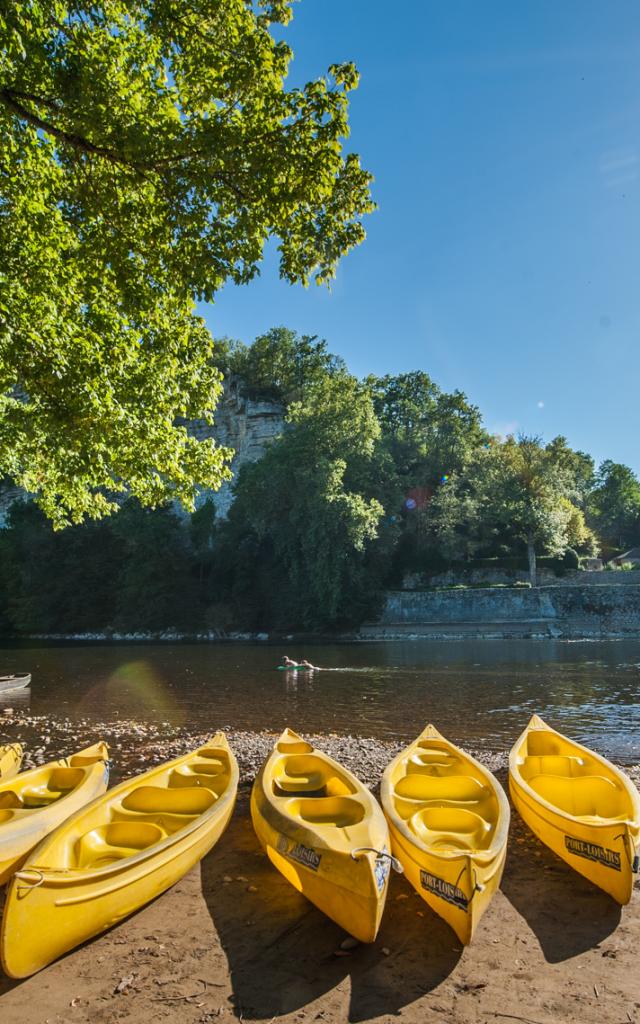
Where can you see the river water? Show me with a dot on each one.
(477, 692)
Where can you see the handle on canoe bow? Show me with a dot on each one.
(626, 843)
(395, 863)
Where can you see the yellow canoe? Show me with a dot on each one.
(449, 821)
(10, 761)
(578, 804)
(115, 855)
(35, 802)
(324, 831)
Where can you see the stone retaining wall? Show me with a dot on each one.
(557, 611)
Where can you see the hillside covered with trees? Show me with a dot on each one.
(369, 480)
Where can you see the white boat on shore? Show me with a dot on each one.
(18, 681)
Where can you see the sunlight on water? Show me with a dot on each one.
(477, 692)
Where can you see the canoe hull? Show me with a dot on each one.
(579, 805)
(9, 684)
(344, 889)
(101, 886)
(341, 866)
(72, 914)
(458, 890)
(10, 761)
(449, 820)
(604, 854)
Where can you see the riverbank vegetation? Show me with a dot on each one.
(369, 480)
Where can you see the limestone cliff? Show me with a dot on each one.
(245, 424)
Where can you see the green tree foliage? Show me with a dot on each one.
(280, 364)
(148, 150)
(141, 570)
(614, 505)
(516, 488)
(426, 435)
(324, 522)
(57, 582)
(296, 541)
(155, 585)
(427, 431)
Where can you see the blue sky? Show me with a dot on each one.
(504, 138)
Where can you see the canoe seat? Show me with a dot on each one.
(9, 799)
(294, 746)
(59, 782)
(210, 766)
(553, 764)
(82, 761)
(186, 778)
(588, 796)
(448, 828)
(543, 742)
(154, 799)
(109, 843)
(447, 788)
(307, 773)
(338, 812)
(170, 809)
(432, 759)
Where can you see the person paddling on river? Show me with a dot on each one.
(287, 662)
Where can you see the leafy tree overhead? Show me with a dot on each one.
(148, 150)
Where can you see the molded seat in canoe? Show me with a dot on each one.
(35, 802)
(324, 832)
(578, 803)
(448, 818)
(117, 854)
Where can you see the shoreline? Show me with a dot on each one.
(233, 940)
(371, 634)
(135, 746)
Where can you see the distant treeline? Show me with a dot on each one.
(370, 479)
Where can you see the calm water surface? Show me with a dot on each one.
(479, 692)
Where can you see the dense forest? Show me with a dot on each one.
(370, 480)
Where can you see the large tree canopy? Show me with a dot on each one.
(517, 489)
(148, 150)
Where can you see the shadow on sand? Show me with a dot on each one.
(282, 951)
(567, 914)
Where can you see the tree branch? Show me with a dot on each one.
(9, 98)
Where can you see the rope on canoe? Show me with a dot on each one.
(25, 874)
(395, 863)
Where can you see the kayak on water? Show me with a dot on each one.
(298, 668)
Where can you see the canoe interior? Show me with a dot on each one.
(143, 814)
(42, 787)
(569, 777)
(445, 801)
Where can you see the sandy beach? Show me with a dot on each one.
(234, 940)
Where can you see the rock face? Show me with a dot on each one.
(241, 423)
(244, 424)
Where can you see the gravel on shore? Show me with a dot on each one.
(136, 746)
